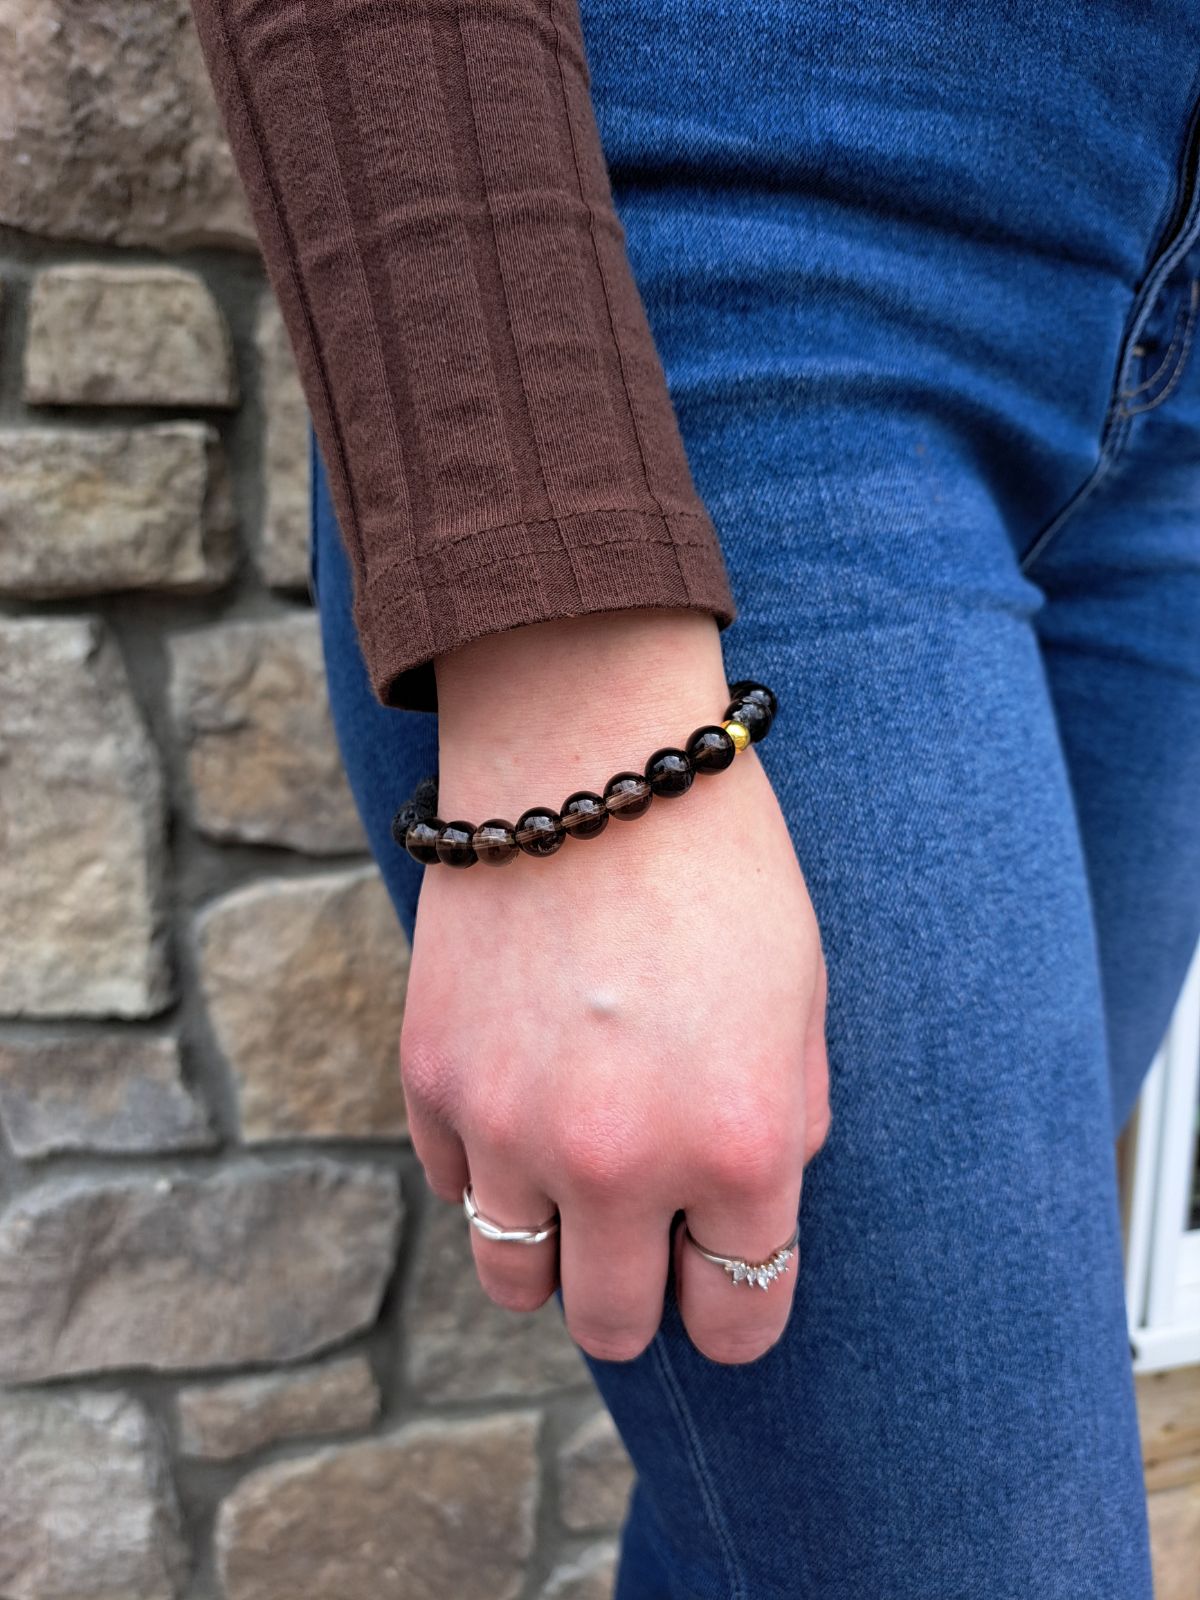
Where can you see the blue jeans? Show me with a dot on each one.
(924, 281)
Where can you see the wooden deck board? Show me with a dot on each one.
(1169, 1408)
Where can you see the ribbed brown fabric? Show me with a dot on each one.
(429, 189)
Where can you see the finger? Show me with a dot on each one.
(613, 1264)
(440, 1152)
(520, 1277)
(726, 1320)
(816, 1070)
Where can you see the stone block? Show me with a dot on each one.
(109, 127)
(595, 1476)
(305, 982)
(431, 1511)
(87, 1508)
(120, 1094)
(81, 829)
(461, 1345)
(590, 1576)
(219, 1421)
(137, 336)
(283, 552)
(251, 708)
(100, 510)
(256, 1263)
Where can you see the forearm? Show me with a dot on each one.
(428, 184)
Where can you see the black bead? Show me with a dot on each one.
(747, 689)
(755, 718)
(454, 847)
(421, 840)
(670, 772)
(495, 842)
(540, 831)
(627, 795)
(583, 814)
(711, 749)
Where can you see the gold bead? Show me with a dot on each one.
(739, 735)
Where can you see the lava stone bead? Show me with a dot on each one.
(454, 847)
(540, 831)
(747, 689)
(627, 795)
(495, 842)
(670, 772)
(583, 814)
(711, 749)
(755, 718)
(421, 840)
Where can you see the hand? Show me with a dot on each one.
(633, 1026)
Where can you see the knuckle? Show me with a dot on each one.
(513, 1294)
(443, 1188)
(610, 1344)
(601, 1162)
(817, 1132)
(426, 1074)
(734, 1348)
(499, 1128)
(758, 1160)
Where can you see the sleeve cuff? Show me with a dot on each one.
(407, 613)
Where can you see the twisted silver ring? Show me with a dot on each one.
(501, 1235)
(757, 1274)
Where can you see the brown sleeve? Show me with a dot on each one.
(428, 186)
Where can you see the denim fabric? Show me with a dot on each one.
(924, 283)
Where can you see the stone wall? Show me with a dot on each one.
(243, 1353)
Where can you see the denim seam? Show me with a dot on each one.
(1181, 363)
(695, 1453)
(1109, 451)
(1163, 366)
(1117, 431)
(1183, 230)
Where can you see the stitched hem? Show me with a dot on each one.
(409, 612)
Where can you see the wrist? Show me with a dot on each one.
(528, 715)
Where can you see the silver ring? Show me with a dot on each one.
(501, 1235)
(757, 1274)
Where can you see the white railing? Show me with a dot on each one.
(1162, 1257)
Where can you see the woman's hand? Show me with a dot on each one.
(633, 1026)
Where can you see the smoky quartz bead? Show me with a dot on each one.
(627, 795)
(752, 715)
(670, 772)
(421, 839)
(495, 842)
(454, 847)
(747, 689)
(584, 815)
(710, 749)
(540, 831)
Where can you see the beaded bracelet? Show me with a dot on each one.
(541, 831)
